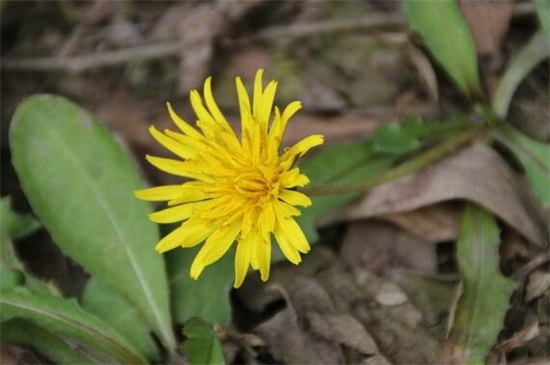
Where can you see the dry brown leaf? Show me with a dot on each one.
(434, 223)
(328, 308)
(476, 173)
(519, 338)
(488, 22)
(379, 247)
(539, 283)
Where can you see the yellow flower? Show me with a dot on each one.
(240, 190)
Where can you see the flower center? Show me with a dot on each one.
(262, 184)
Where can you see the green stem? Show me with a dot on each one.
(415, 164)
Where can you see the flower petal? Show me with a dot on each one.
(288, 249)
(159, 193)
(242, 260)
(171, 144)
(215, 247)
(295, 198)
(183, 125)
(175, 214)
(299, 149)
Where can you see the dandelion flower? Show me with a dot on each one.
(237, 190)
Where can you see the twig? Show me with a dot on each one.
(96, 60)
(526, 269)
(297, 31)
(82, 63)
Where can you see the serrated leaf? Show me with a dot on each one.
(79, 181)
(65, 318)
(533, 53)
(120, 314)
(448, 38)
(535, 158)
(394, 138)
(202, 346)
(208, 296)
(486, 292)
(53, 347)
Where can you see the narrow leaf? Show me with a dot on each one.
(65, 318)
(522, 64)
(79, 181)
(120, 314)
(481, 309)
(12, 226)
(208, 296)
(53, 347)
(202, 346)
(448, 38)
(543, 11)
(535, 158)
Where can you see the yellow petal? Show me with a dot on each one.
(295, 234)
(215, 247)
(174, 167)
(285, 210)
(214, 109)
(242, 260)
(263, 258)
(159, 193)
(171, 241)
(277, 131)
(183, 125)
(299, 149)
(175, 214)
(295, 198)
(293, 178)
(172, 145)
(288, 249)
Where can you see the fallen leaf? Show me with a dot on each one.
(488, 22)
(476, 173)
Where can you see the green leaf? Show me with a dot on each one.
(522, 64)
(120, 314)
(448, 38)
(394, 138)
(543, 11)
(12, 226)
(55, 348)
(208, 296)
(79, 181)
(338, 163)
(486, 293)
(202, 346)
(65, 318)
(535, 158)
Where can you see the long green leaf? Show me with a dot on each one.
(12, 226)
(46, 343)
(448, 38)
(202, 346)
(64, 317)
(485, 299)
(535, 158)
(208, 296)
(79, 182)
(543, 11)
(533, 53)
(120, 314)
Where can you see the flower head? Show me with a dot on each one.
(240, 190)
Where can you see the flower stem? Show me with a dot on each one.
(415, 164)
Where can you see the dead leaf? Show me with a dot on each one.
(330, 309)
(380, 247)
(488, 22)
(539, 283)
(476, 173)
(519, 338)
